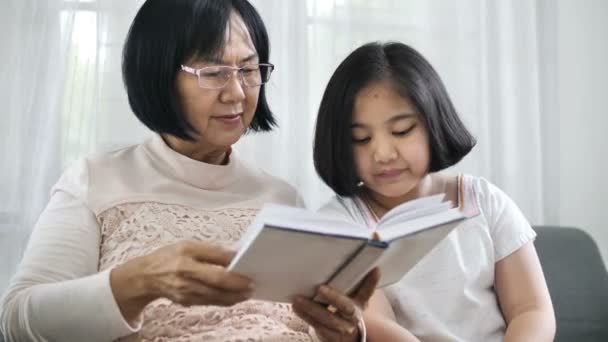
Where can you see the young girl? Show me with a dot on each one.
(385, 129)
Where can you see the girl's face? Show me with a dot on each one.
(390, 142)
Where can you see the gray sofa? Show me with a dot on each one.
(578, 283)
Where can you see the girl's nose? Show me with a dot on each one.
(384, 152)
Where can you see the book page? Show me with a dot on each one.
(401, 229)
(292, 218)
(413, 205)
(416, 213)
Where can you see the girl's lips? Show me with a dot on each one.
(389, 173)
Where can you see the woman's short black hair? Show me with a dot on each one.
(415, 79)
(165, 34)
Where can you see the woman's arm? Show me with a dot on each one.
(380, 321)
(57, 294)
(524, 298)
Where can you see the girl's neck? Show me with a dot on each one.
(380, 204)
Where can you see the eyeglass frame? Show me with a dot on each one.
(238, 70)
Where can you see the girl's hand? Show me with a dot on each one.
(340, 321)
(187, 273)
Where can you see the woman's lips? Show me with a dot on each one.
(229, 119)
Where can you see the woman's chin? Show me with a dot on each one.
(227, 139)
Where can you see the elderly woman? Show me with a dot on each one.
(133, 243)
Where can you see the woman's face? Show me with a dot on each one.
(221, 116)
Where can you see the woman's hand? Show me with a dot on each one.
(339, 321)
(187, 273)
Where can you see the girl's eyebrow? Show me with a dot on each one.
(402, 116)
(393, 119)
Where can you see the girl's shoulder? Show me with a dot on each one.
(486, 193)
(495, 205)
(473, 191)
(507, 224)
(455, 185)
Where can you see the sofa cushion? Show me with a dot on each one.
(577, 280)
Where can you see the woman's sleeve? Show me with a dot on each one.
(57, 293)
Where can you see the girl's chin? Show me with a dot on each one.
(393, 191)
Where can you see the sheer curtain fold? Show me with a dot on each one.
(63, 96)
(510, 140)
(31, 90)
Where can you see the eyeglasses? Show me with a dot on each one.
(217, 77)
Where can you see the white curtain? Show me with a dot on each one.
(34, 54)
(63, 97)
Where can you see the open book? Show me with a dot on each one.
(289, 251)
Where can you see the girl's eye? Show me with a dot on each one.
(360, 140)
(404, 132)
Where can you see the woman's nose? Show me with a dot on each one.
(233, 91)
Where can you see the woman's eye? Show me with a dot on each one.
(250, 70)
(404, 132)
(219, 74)
(211, 74)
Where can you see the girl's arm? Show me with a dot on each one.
(380, 321)
(524, 298)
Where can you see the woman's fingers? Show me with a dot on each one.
(323, 332)
(205, 252)
(192, 273)
(189, 292)
(366, 288)
(344, 305)
(340, 324)
(329, 335)
(217, 277)
(318, 316)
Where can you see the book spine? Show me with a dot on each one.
(348, 278)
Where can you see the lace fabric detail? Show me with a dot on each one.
(136, 229)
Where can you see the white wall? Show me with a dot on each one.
(582, 78)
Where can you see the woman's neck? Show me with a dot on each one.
(198, 150)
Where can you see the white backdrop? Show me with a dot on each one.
(508, 66)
